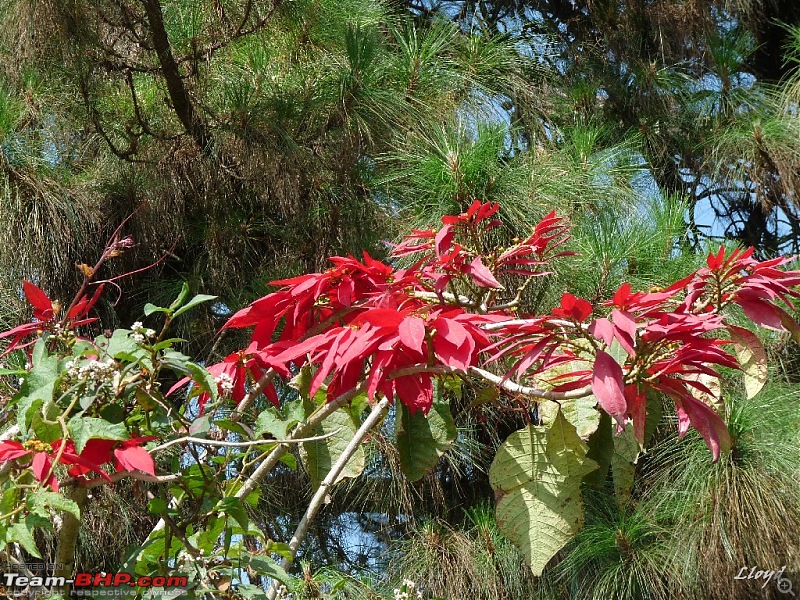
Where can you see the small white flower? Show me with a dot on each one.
(140, 333)
(225, 383)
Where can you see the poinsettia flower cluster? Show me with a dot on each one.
(458, 248)
(127, 455)
(391, 326)
(670, 339)
(392, 329)
(45, 313)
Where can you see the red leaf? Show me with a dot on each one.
(135, 458)
(456, 356)
(622, 295)
(41, 465)
(412, 333)
(380, 317)
(625, 328)
(574, 308)
(10, 449)
(762, 313)
(43, 306)
(603, 330)
(345, 291)
(481, 275)
(637, 409)
(706, 421)
(715, 262)
(416, 392)
(607, 386)
(444, 239)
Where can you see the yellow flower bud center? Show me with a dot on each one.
(37, 446)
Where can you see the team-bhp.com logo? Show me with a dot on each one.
(17, 581)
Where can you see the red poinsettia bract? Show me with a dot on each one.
(43, 455)
(397, 328)
(45, 312)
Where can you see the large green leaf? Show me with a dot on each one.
(601, 449)
(82, 429)
(537, 475)
(752, 359)
(40, 502)
(581, 412)
(198, 299)
(120, 344)
(36, 389)
(320, 455)
(623, 463)
(22, 533)
(421, 439)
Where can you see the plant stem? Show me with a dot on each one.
(379, 410)
(68, 536)
(300, 431)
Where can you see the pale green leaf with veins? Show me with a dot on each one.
(536, 476)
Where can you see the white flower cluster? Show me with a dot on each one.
(408, 591)
(93, 370)
(283, 593)
(140, 333)
(225, 383)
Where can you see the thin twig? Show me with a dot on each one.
(207, 442)
(322, 413)
(379, 410)
(516, 388)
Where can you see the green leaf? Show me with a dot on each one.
(752, 359)
(264, 565)
(199, 299)
(233, 507)
(44, 426)
(14, 372)
(157, 506)
(655, 410)
(83, 348)
(200, 426)
(279, 548)
(302, 381)
(22, 533)
(203, 379)
(39, 350)
(35, 390)
(168, 343)
(485, 395)
(537, 474)
(270, 421)
(120, 344)
(290, 461)
(41, 500)
(82, 429)
(320, 455)
(581, 412)
(601, 449)
(182, 296)
(149, 309)
(233, 426)
(623, 463)
(9, 499)
(295, 412)
(421, 439)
